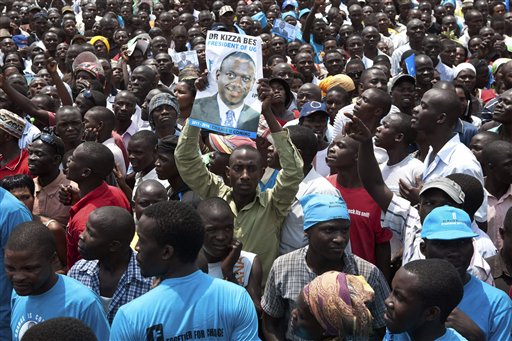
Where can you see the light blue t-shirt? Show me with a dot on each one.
(450, 335)
(12, 213)
(67, 298)
(194, 307)
(489, 308)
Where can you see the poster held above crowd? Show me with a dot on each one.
(230, 104)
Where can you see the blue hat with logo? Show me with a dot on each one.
(303, 12)
(447, 223)
(289, 14)
(322, 207)
(312, 107)
(289, 3)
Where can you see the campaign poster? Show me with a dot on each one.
(230, 104)
(184, 59)
(285, 30)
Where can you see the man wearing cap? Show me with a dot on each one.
(398, 214)
(163, 112)
(227, 18)
(327, 226)
(13, 160)
(235, 79)
(402, 93)
(447, 235)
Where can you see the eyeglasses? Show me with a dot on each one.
(50, 138)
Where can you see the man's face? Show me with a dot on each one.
(329, 238)
(403, 95)
(180, 38)
(92, 243)
(416, 30)
(404, 307)
(477, 145)
(355, 46)
(371, 37)
(218, 233)
(24, 195)
(159, 45)
(305, 64)
(165, 166)
(374, 79)
(149, 252)
(386, 133)
(474, 22)
(334, 102)
(283, 71)
(305, 94)
(278, 46)
(502, 169)
(51, 40)
(124, 107)
(141, 155)
(448, 54)
(334, 63)
(341, 153)
(29, 272)
(317, 122)
(458, 252)
(424, 72)
(69, 126)
(424, 115)
(42, 158)
(165, 117)
(432, 48)
(244, 171)
(165, 63)
(146, 198)
(205, 21)
(140, 82)
(235, 79)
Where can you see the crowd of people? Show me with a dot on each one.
(375, 202)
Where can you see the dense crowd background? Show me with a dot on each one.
(374, 204)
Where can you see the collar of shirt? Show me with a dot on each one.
(447, 150)
(132, 129)
(98, 192)
(503, 197)
(15, 162)
(52, 187)
(304, 185)
(223, 109)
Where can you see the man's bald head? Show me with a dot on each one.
(114, 223)
(148, 193)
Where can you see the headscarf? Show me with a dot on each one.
(226, 144)
(102, 39)
(338, 303)
(497, 63)
(338, 80)
(463, 66)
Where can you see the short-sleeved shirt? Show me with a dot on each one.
(365, 228)
(67, 298)
(500, 273)
(193, 307)
(290, 273)
(46, 201)
(103, 195)
(12, 213)
(130, 286)
(449, 335)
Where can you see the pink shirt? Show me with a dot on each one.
(496, 210)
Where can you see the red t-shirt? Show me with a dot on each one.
(365, 228)
(17, 166)
(103, 195)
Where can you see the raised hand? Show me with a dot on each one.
(357, 130)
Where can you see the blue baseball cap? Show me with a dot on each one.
(289, 14)
(303, 12)
(322, 207)
(447, 223)
(312, 107)
(289, 3)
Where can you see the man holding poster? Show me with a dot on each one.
(233, 108)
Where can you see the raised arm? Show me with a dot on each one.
(25, 104)
(369, 170)
(65, 97)
(308, 26)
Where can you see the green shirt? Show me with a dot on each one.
(258, 224)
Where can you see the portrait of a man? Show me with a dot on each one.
(235, 79)
(183, 62)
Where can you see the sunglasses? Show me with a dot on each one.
(51, 139)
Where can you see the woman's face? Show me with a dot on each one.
(101, 49)
(467, 78)
(184, 95)
(304, 324)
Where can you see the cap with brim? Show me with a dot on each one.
(447, 223)
(286, 86)
(322, 207)
(4, 33)
(40, 15)
(402, 78)
(67, 9)
(450, 187)
(11, 123)
(303, 12)
(225, 9)
(34, 8)
(288, 14)
(289, 3)
(313, 107)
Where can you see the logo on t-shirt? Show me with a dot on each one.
(155, 333)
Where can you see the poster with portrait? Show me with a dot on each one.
(230, 104)
(184, 59)
(285, 30)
